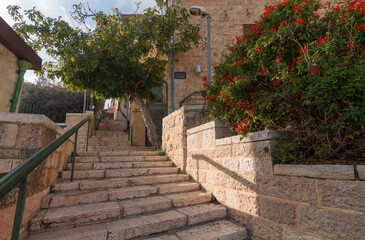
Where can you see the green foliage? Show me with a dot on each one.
(300, 69)
(123, 55)
(161, 151)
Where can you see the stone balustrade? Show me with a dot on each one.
(274, 202)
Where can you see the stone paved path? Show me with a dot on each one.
(122, 192)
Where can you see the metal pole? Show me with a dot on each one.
(84, 107)
(73, 157)
(19, 209)
(87, 137)
(172, 72)
(208, 36)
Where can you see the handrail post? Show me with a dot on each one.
(87, 137)
(73, 157)
(19, 209)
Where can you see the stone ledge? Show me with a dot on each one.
(361, 171)
(339, 172)
(251, 137)
(209, 125)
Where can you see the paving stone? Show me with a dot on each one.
(222, 230)
(78, 197)
(86, 159)
(82, 174)
(80, 166)
(159, 179)
(177, 187)
(152, 164)
(92, 232)
(145, 225)
(104, 183)
(203, 212)
(131, 192)
(145, 205)
(189, 198)
(167, 170)
(126, 172)
(71, 216)
(65, 186)
(113, 165)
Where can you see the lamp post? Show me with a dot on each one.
(200, 11)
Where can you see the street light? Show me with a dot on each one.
(200, 11)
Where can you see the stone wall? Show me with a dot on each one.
(174, 127)
(139, 128)
(280, 202)
(8, 77)
(21, 136)
(228, 19)
(74, 118)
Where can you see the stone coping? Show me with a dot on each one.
(337, 172)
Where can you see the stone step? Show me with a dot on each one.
(131, 192)
(140, 172)
(223, 230)
(106, 145)
(133, 158)
(177, 187)
(118, 182)
(116, 165)
(113, 126)
(125, 158)
(87, 174)
(145, 205)
(101, 133)
(124, 152)
(189, 198)
(75, 215)
(107, 150)
(72, 198)
(203, 212)
(145, 225)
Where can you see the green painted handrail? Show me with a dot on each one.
(19, 175)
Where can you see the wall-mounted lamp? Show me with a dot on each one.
(200, 11)
(197, 68)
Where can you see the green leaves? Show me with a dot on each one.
(307, 71)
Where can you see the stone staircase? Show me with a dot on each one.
(122, 192)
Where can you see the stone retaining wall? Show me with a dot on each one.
(174, 128)
(274, 202)
(21, 136)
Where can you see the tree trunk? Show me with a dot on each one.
(150, 125)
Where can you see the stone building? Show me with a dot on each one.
(15, 58)
(228, 20)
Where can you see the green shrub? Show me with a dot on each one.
(299, 69)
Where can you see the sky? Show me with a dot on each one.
(56, 8)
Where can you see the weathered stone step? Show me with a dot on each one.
(87, 174)
(177, 187)
(75, 215)
(127, 158)
(222, 230)
(120, 150)
(116, 165)
(118, 182)
(102, 133)
(136, 226)
(145, 205)
(106, 145)
(145, 225)
(133, 158)
(189, 198)
(113, 125)
(124, 152)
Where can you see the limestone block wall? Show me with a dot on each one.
(21, 136)
(139, 128)
(8, 77)
(274, 202)
(174, 127)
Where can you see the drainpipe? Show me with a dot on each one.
(23, 66)
(172, 73)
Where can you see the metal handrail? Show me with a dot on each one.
(20, 174)
(188, 97)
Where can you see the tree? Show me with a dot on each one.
(122, 56)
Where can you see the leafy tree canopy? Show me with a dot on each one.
(123, 55)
